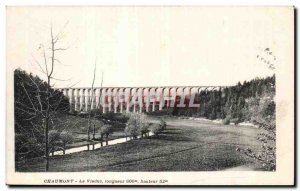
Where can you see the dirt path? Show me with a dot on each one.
(240, 168)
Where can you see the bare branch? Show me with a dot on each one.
(60, 79)
(23, 105)
(89, 119)
(28, 96)
(30, 113)
(52, 57)
(61, 62)
(61, 49)
(38, 91)
(45, 60)
(71, 86)
(41, 68)
(57, 36)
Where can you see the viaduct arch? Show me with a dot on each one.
(130, 99)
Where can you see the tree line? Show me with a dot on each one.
(232, 103)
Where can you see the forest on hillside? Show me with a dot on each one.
(235, 103)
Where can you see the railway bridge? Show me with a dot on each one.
(134, 99)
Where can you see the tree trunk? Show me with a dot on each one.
(101, 140)
(89, 127)
(52, 151)
(64, 151)
(46, 145)
(90, 109)
(106, 139)
(94, 132)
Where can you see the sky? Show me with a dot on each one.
(149, 46)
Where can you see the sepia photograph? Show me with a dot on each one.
(149, 95)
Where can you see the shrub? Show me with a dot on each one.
(137, 124)
(105, 130)
(156, 128)
(144, 128)
(262, 113)
(132, 130)
(66, 137)
(143, 125)
(163, 124)
(226, 121)
(82, 129)
(54, 139)
(212, 116)
(132, 126)
(54, 136)
(235, 121)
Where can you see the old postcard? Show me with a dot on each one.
(133, 95)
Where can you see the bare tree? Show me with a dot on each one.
(47, 101)
(92, 97)
(47, 117)
(94, 128)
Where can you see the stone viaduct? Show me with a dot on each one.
(132, 99)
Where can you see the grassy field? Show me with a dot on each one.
(186, 145)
